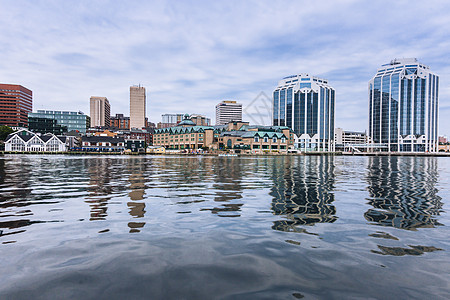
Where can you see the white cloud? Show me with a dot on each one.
(191, 55)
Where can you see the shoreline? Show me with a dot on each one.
(439, 154)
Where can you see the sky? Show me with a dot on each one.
(190, 55)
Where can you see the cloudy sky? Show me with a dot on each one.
(190, 55)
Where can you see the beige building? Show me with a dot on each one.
(100, 111)
(137, 106)
(237, 137)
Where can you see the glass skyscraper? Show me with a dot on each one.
(71, 119)
(403, 107)
(306, 104)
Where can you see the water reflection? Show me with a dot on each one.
(302, 192)
(137, 181)
(399, 251)
(403, 192)
(227, 188)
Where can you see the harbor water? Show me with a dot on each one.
(205, 227)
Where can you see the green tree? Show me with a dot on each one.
(4, 131)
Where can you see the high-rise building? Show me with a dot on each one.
(306, 104)
(73, 120)
(137, 106)
(16, 102)
(403, 107)
(228, 111)
(100, 111)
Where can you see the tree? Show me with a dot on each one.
(4, 131)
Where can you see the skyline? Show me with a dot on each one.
(192, 55)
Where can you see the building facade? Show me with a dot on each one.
(120, 121)
(45, 125)
(403, 107)
(228, 111)
(137, 107)
(73, 120)
(16, 102)
(100, 111)
(27, 141)
(306, 104)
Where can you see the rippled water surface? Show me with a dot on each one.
(167, 227)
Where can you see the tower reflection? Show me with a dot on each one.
(302, 192)
(99, 188)
(402, 192)
(137, 191)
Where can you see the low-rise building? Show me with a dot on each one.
(350, 140)
(27, 141)
(236, 136)
(102, 144)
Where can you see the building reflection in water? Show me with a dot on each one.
(15, 182)
(302, 192)
(402, 192)
(228, 188)
(99, 187)
(136, 168)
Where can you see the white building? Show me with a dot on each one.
(228, 111)
(27, 141)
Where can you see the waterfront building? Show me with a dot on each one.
(228, 111)
(186, 135)
(256, 139)
(306, 104)
(16, 102)
(27, 141)
(102, 144)
(237, 137)
(350, 140)
(77, 121)
(45, 125)
(137, 107)
(100, 111)
(403, 107)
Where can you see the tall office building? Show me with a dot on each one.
(228, 111)
(306, 104)
(16, 102)
(100, 111)
(403, 107)
(137, 106)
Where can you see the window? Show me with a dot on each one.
(283, 140)
(274, 139)
(256, 139)
(266, 139)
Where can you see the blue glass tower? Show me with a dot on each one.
(403, 107)
(306, 104)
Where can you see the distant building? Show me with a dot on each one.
(200, 120)
(16, 102)
(121, 122)
(403, 107)
(349, 140)
(27, 141)
(137, 107)
(45, 125)
(77, 121)
(170, 120)
(306, 104)
(100, 111)
(228, 111)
